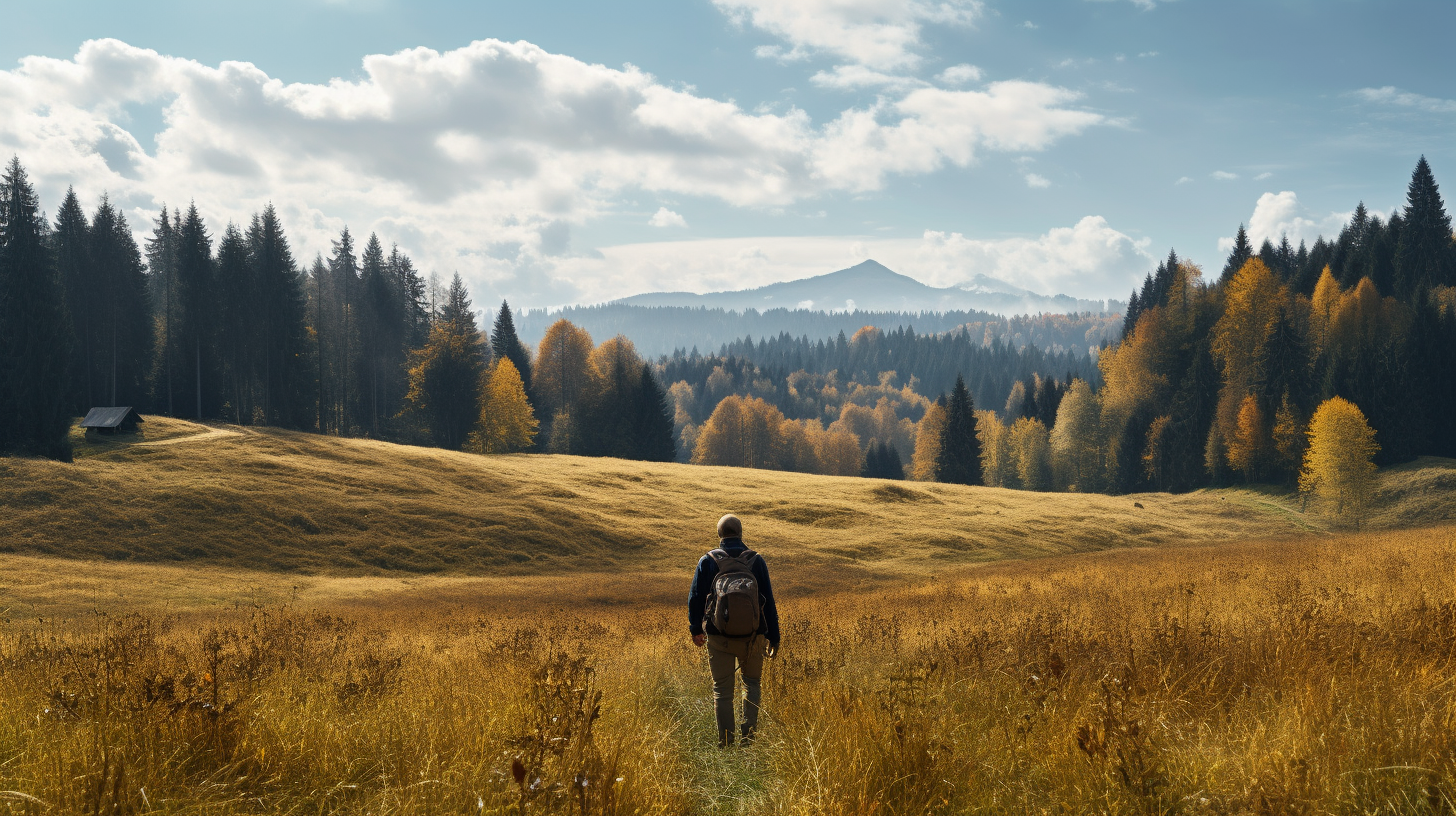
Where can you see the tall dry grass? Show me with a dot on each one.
(1301, 676)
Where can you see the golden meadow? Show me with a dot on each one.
(1212, 653)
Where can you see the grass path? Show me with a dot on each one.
(730, 782)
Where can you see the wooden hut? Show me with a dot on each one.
(111, 420)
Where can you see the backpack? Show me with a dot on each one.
(732, 604)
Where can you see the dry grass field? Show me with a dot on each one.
(199, 652)
(303, 504)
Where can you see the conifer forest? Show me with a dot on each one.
(1212, 376)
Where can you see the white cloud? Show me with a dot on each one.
(960, 74)
(1279, 214)
(1263, 175)
(482, 159)
(1089, 259)
(1222, 175)
(667, 218)
(1146, 5)
(1183, 180)
(1390, 95)
(848, 77)
(1038, 182)
(1029, 25)
(882, 34)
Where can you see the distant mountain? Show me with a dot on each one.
(871, 286)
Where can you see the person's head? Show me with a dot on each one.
(730, 527)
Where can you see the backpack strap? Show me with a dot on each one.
(743, 561)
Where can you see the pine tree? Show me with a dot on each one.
(35, 334)
(414, 295)
(1239, 256)
(383, 333)
(162, 283)
(1423, 257)
(70, 243)
(653, 439)
(960, 453)
(342, 306)
(126, 325)
(445, 375)
(236, 323)
(505, 344)
(281, 314)
(196, 301)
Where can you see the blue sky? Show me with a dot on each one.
(1060, 145)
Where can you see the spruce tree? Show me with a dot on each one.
(70, 244)
(960, 452)
(1423, 256)
(342, 305)
(506, 344)
(162, 284)
(654, 440)
(445, 375)
(125, 321)
(35, 334)
(235, 324)
(382, 336)
(1239, 256)
(284, 375)
(196, 305)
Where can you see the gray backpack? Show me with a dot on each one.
(733, 603)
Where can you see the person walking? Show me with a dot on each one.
(731, 610)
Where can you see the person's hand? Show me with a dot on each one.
(699, 640)
(773, 651)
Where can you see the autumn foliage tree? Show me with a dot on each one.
(507, 423)
(1339, 466)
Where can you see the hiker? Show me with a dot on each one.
(731, 609)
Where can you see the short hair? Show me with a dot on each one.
(730, 527)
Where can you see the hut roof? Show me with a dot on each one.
(110, 417)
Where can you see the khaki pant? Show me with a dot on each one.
(726, 657)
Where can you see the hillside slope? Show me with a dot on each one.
(264, 499)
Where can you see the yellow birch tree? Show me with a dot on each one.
(1338, 466)
(507, 423)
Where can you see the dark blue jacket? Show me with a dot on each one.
(768, 626)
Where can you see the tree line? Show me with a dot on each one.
(230, 327)
(1293, 366)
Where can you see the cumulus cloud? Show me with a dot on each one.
(881, 34)
(1263, 175)
(666, 218)
(1183, 180)
(481, 159)
(1279, 214)
(1223, 175)
(1390, 95)
(1146, 5)
(1037, 182)
(849, 77)
(1089, 259)
(960, 74)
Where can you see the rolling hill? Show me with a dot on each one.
(285, 502)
